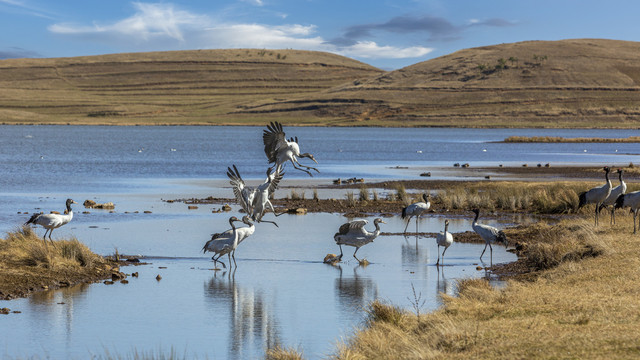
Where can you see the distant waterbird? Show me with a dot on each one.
(630, 200)
(354, 234)
(416, 209)
(444, 239)
(52, 221)
(279, 150)
(613, 196)
(223, 243)
(596, 195)
(488, 233)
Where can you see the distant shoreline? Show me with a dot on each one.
(558, 139)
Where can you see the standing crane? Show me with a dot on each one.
(613, 196)
(488, 233)
(597, 195)
(631, 200)
(279, 150)
(416, 209)
(354, 234)
(52, 221)
(255, 201)
(243, 233)
(223, 243)
(443, 239)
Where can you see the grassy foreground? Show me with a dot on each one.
(578, 309)
(28, 264)
(581, 303)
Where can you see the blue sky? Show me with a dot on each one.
(388, 34)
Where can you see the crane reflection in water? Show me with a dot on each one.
(252, 322)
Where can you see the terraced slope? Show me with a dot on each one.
(569, 83)
(181, 87)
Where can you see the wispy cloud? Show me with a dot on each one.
(17, 53)
(22, 7)
(163, 26)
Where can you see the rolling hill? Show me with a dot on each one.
(567, 83)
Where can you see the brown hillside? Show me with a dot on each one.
(569, 83)
(178, 87)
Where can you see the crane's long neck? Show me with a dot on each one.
(606, 176)
(446, 227)
(475, 220)
(620, 177)
(377, 232)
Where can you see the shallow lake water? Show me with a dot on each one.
(281, 292)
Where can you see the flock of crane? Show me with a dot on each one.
(279, 150)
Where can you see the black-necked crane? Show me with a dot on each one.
(354, 234)
(52, 221)
(596, 195)
(488, 233)
(631, 200)
(223, 243)
(279, 150)
(613, 196)
(243, 233)
(444, 239)
(416, 209)
(255, 201)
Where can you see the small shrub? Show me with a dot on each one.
(351, 198)
(381, 312)
(364, 194)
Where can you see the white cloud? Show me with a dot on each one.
(162, 26)
(371, 50)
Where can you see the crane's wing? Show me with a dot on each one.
(275, 181)
(355, 225)
(243, 194)
(274, 140)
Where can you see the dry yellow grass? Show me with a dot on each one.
(29, 264)
(577, 310)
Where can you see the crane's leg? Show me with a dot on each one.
(229, 255)
(44, 237)
(233, 255)
(613, 215)
(267, 221)
(354, 254)
(217, 260)
(597, 214)
(305, 166)
(485, 249)
(445, 250)
(491, 253)
(417, 218)
(50, 239)
(635, 213)
(307, 171)
(438, 252)
(340, 257)
(408, 221)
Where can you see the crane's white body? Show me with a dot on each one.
(255, 201)
(223, 243)
(52, 221)
(488, 233)
(279, 150)
(416, 209)
(597, 195)
(613, 196)
(631, 200)
(354, 234)
(443, 238)
(243, 232)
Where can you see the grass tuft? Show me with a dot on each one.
(281, 353)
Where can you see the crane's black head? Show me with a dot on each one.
(69, 202)
(426, 197)
(378, 221)
(233, 219)
(247, 220)
(307, 155)
(606, 169)
(476, 211)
